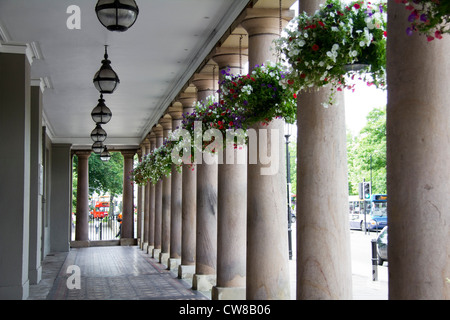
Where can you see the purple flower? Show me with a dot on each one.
(409, 31)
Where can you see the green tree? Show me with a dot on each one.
(104, 177)
(367, 153)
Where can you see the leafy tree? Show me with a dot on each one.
(104, 177)
(367, 153)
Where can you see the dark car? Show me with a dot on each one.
(382, 242)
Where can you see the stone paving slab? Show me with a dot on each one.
(118, 273)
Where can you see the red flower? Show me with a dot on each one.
(290, 81)
(356, 6)
(315, 47)
(295, 95)
(321, 24)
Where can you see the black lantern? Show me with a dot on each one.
(101, 113)
(98, 134)
(117, 15)
(106, 79)
(105, 155)
(98, 147)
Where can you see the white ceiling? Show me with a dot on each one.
(154, 60)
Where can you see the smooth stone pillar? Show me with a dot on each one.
(175, 112)
(206, 241)
(418, 153)
(189, 206)
(158, 199)
(139, 207)
(323, 235)
(15, 173)
(231, 206)
(146, 191)
(151, 209)
(166, 123)
(127, 233)
(267, 243)
(82, 214)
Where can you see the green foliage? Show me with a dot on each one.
(367, 153)
(106, 177)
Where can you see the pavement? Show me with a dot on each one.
(127, 273)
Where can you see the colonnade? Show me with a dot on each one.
(245, 211)
(228, 225)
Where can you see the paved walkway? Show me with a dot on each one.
(110, 273)
(127, 273)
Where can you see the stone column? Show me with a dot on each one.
(151, 209)
(36, 184)
(189, 206)
(140, 206)
(82, 214)
(267, 243)
(166, 123)
(323, 236)
(231, 207)
(127, 233)
(145, 231)
(158, 199)
(206, 241)
(418, 151)
(14, 172)
(175, 111)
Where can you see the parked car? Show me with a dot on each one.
(382, 242)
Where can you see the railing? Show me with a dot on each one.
(107, 228)
(103, 228)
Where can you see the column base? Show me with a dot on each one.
(150, 249)
(144, 246)
(164, 258)
(128, 242)
(173, 264)
(223, 293)
(203, 282)
(80, 244)
(155, 253)
(186, 271)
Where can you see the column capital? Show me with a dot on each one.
(187, 99)
(166, 122)
(128, 153)
(230, 57)
(83, 153)
(265, 21)
(176, 111)
(158, 130)
(203, 81)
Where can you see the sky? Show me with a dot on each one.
(359, 103)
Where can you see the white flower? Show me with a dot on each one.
(335, 47)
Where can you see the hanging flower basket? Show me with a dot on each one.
(428, 17)
(156, 165)
(265, 93)
(322, 47)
